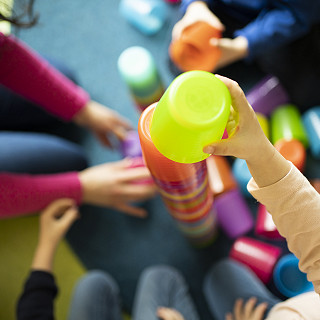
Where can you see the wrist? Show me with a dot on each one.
(81, 118)
(44, 256)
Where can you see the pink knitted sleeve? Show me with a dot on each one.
(22, 194)
(23, 71)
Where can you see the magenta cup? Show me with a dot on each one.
(267, 95)
(259, 256)
(233, 214)
(288, 278)
(265, 226)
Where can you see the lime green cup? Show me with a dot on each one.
(192, 113)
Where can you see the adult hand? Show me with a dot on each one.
(197, 11)
(115, 185)
(232, 50)
(169, 314)
(102, 121)
(55, 220)
(249, 311)
(246, 138)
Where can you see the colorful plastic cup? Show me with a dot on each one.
(311, 121)
(242, 175)
(286, 123)
(293, 150)
(220, 175)
(233, 214)
(137, 162)
(148, 16)
(138, 70)
(193, 50)
(130, 146)
(259, 256)
(265, 226)
(191, 114)
(267, 95)
(288, 278)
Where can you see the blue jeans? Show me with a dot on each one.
(229, 280)
(96, 296)
(162, 286)
(24, 147)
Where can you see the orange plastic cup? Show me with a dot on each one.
(193, 50)
(220, 175)
(293, 150)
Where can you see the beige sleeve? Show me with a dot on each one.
(295, 208)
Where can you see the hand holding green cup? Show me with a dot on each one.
(192, 113)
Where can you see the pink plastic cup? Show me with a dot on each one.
(259, 256)
(265, 226)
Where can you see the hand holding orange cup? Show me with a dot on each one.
(193, 50)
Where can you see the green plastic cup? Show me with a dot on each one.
(286, 123)
(192, 113)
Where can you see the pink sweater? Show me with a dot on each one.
(27, 74)
(295, 208)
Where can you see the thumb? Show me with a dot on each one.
(220, 148)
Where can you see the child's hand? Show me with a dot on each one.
(113, 185)
(55, 220)
(248, 311)
(169, 314)
(102, 121)
(197, 11)
(247, 140)
(232, 50)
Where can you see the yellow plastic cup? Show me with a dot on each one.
(192, 113)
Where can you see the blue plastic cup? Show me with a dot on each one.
(148, 16)
(288, 278)
(242, 175)
(311, 121)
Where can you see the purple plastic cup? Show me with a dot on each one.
(233, 214)
(267, 95)
(130, 146)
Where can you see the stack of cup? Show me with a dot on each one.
(311, 120)
(148, 16)
(267, 95)
(193, 51)
(138, 69)
(265, 226)
(259, 256)
(192, 113)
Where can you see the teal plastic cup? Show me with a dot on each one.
(192, 113)
(138, 69)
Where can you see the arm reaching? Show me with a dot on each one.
(293, 203)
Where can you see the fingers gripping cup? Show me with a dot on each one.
(192, 113)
